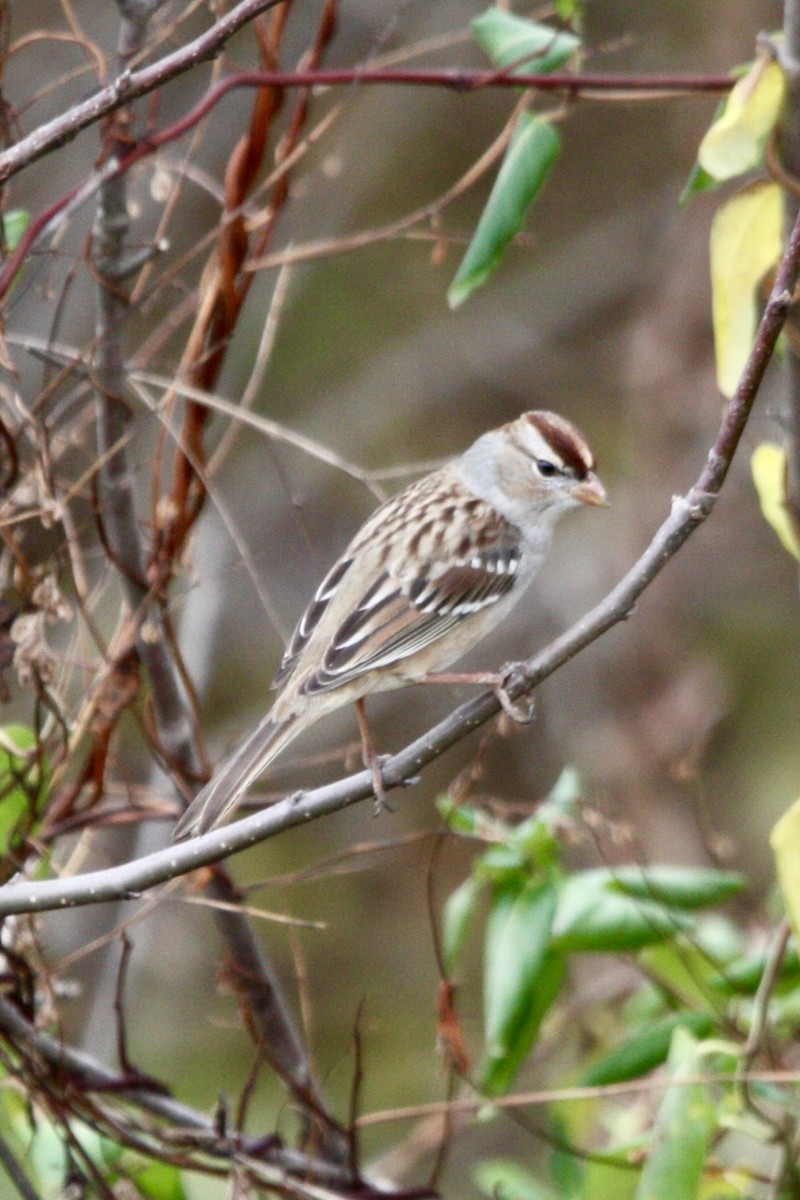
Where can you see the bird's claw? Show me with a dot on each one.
(521, 711)
(378, 786)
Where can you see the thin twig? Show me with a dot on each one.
(189, 1128)
(783, 1123)
(772, 970)
(545, 1096)
(128, 87)
(138, 83)
(311, 251)
(271, 429)
(16, 1174)
(254, 385)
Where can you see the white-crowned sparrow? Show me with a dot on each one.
(431, 572)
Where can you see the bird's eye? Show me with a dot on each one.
(546, 468)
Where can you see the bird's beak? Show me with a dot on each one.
(591, 491)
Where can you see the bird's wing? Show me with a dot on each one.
(311, 618)
(399, 615)
(421, 576)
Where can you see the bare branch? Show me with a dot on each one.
(128, 87)
(16, 1174)
(134, 84)
(189, 1129)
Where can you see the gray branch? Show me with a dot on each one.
(127, 87)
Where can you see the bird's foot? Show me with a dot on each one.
(521, 711)
(375, 765)
(372, 760)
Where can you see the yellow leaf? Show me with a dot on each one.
(785, 842)
(746, 241)
(735, 141)
(768, 465)
(733, 1182)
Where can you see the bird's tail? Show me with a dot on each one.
(221, 795)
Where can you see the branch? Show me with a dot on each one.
(687, 513)
(132, 84)
(15, 1173)
(128, 87)
(273, 1162)
(462, 79)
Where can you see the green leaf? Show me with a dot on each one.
(746, 242)
(509, 40)
(160, 1181)
(682, 887)
(607, 1180)
(502, 862)
(539, 835)
(458, 913)
(699, 181)
(20, 780)
(674, 1167)
(17, 1128)
(768, 465)
(48, 1154)
(504, 1179)
(648, 1049)
(735, 1183)
(471, 821)
(528, 161)
(15, 222)
(567, 9)
(499, 1070)
(682, 968)
(744, 977)
(517, 938)
(535, 840)
(566, 1169)
(719, 938)
(591, 916)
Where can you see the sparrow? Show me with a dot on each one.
(428, 575)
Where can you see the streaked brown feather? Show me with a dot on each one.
(400, 613)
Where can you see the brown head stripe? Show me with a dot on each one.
(566, 441)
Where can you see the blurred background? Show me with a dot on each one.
(681, 721)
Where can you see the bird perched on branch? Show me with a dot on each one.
(428, 575)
